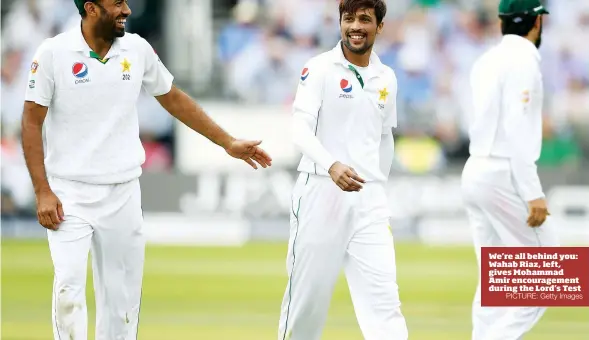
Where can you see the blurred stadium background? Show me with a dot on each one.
(217, 230)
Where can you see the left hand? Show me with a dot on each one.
(249, 151)
(538, 212)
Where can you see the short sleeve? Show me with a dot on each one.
(41, 83)
(390, 120)
(309, 95)
(157, 80)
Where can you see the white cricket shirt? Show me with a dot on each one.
(507, 118)
(335, 118)
(91, 132)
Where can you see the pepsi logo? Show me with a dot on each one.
(345, 85)
(304, 74)
(80, 70)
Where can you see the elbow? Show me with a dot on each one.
(33, 117)
(29, 122)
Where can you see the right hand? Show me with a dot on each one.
(49, 210)
(345, 177)
(538, 212)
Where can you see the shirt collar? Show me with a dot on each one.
(79, 44)
(522, 42)
(375, 66)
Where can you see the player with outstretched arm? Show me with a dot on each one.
(82, 148)
(502, 191)
(344, 112)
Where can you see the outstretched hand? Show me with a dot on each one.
(249, 152)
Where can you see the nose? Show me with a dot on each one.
(127, 9)
(356, 25)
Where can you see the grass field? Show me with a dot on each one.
(235, 293)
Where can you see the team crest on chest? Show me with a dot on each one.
(383, 94)
(126, 69)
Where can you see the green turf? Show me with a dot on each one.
(235, 293)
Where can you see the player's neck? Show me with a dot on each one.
(99, 45)
(361, 60)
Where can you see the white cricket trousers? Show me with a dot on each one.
(331, 229)
(106, 220)
(497, 215)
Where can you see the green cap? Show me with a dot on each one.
(530, 7)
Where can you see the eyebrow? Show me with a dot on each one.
(362, 15)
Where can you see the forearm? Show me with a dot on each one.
(308, 144)
(525, 148)
(525, 151)
(186, 110)
(32, 141)
(526, 179)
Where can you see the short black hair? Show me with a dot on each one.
(352, 6)
(517, 24)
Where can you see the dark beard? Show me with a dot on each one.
(360, 51)
(539, 40)
(107, 29)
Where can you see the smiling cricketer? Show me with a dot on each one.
(81, 144)
(343, 116)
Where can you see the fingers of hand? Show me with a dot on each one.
(353, 185)
(261, 161)
(263, 155)
(46, 220)
(60, 213)
(354, 175)
(54, 216)
(348, 184)
(345, 186)
(537, 217)
(251, 163)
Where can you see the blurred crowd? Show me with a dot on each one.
(431, 45)
(262, 45)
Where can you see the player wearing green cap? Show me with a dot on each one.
(82, 148)
(502, 191)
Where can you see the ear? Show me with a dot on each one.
(379, 28)
(91, 8)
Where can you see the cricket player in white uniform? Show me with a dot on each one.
(344, 112)
(81, 144)
(504, 198)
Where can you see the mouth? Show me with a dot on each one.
(357, 38)
(121, 23)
